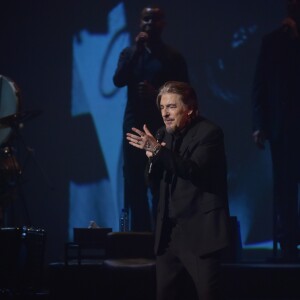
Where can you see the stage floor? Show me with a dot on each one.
(254, 277)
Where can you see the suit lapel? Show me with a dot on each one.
(188, 139)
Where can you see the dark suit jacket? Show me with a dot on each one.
(198, 188)
(276, 92)
(164, 63)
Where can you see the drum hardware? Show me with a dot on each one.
(11, 123)
(9, 166)
(10, 173)
(18, 118)
(22, 249)
(29, 155)
(9, 104)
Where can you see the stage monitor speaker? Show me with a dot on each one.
(91, 236)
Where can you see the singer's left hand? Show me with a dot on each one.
(142, 140)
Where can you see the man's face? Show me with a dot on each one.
(175, 113)
(152, 21)
(293, 7)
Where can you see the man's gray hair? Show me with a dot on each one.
(187, 93)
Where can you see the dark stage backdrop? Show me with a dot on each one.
(62, 55)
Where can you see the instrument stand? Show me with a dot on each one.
(19, 170)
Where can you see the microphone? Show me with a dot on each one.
(141, 41)
(142, 37)
(160, 134)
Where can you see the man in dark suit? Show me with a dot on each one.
(192, 225)
(143, 68)
(276, 117)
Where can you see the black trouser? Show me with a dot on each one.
(286, 168)
(183, 275)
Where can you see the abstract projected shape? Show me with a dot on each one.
(94, 61)
(229, 84)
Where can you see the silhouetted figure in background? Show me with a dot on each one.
(193, 218)
(276, 117)
(143, 68)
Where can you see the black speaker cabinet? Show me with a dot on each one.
(21, 257)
